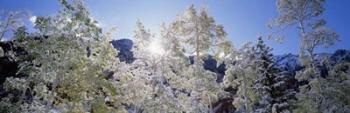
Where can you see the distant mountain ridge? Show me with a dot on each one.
(290, 62)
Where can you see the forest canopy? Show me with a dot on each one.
(70, 64)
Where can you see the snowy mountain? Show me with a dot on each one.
(290, 62)
(287, 62)
(341, 55)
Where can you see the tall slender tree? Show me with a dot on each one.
(200, 33)
(266, 75)
(142, 39)
(307, 15)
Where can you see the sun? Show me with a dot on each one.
(156, 48)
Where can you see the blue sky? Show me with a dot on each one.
(244, 20)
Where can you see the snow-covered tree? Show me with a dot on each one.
(271, 85)
(10, 22)
(200, 34)
(73, 18)
(149, 76)
(284, 94)
(240, 75)
(69, 65)
(68, 68)
(337, 89)
(175, 53)
(168, 91)
(326, 94)
(142, 39)
(307, 16)
(148, 50)
(259, 84)
(20, 33)
(266, 75)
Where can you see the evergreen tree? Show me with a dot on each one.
(240, 75)
(175, 56)
(307, 15)
(284, 93)
(67, 70)
(200, 32)
(266, 75)
(69, 65)
(142, 39)
(337, 88)
(73, 18)
(271, 85)
(327, 93)
(197, 33)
